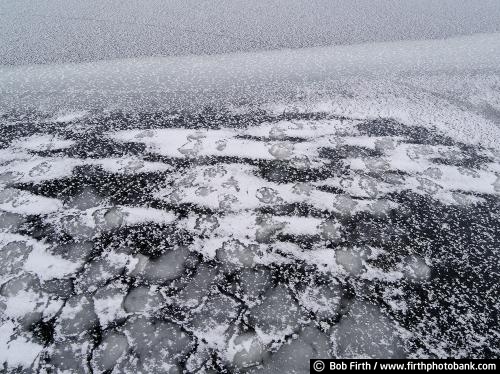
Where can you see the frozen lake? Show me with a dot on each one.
(247, 212)
(74, 30)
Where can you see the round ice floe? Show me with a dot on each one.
(200, 359)
(277, 313)
(141, 299)
(109, 219)
(204, 191)
(198, 135)
(192, 261)
(268, 195)
(217, 171)
(12, 257)
(281, 151)
(415, 152)
(145, 134)
(323, 299)
(393, 179)
(433, 172)
(365, 332)
(48, 266)
(155, 365)
(245, 350)
(385, 144)
(76, 252)
(416, 269)
(100, 270)
(351, 259)
(140, 263)
(227, 202)
(231, 183)
(216, 314)
(131, 166)
(205, 225)
(108, 303)
(294, 355)
(468, 172)
(301, 162)
(10, 221)
(369, 186)
(376, 164)
(23, 202)
(175, 197)
(267, 229)
(168, 266)
(197, 289)
(61, 288)
(39, 170)
(25, 282)
(235, 254)
(191, 148)
(9, 177)
(380, 207)
(112, 348)
(156, 343)
(77, 317)
(303, 188)
(86, 199)
(77, 228)
(345, 204)
(464, 199)
(254, 283)
(428, 186)
(346, 182)
(25, 305)
(9, 194)
(330, 231)
(128, 364)
(221, 144)
(70, 358)
(277, 133)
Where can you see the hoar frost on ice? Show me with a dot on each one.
(252, 238)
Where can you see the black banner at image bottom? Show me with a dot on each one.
(335, 365)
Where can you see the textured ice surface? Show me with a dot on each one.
(112, 348)
(89, 30)
(359, 221)
(293, 356)
(366, 333)
(277, 314)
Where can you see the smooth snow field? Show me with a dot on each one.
(244, 213)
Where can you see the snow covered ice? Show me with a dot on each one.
(155, 220)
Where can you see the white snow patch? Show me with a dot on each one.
(18, 351)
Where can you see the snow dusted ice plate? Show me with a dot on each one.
(251, 238)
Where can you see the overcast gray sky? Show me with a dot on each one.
(46, 31)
